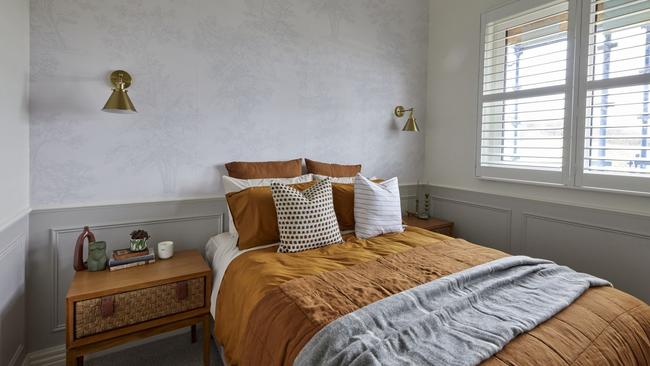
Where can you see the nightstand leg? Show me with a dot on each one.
(71, 359)
(206, 340)
(193, 331)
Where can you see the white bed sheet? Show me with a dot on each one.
(220, 251)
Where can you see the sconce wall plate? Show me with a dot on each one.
(118, 76)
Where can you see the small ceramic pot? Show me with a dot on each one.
(165, 249)
(138, 245)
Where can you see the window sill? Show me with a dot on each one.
(566, 186)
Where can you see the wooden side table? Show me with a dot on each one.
(432, 224)
(106, 309)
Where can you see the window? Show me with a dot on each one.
(565, 93)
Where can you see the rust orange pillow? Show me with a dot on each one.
(264, 169)
(344, 205)
(254, 216)
(332, 170)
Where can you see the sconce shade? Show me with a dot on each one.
(119, 101)
(411, 124)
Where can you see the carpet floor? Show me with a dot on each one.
(173, 351)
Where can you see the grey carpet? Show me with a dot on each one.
(173, 351)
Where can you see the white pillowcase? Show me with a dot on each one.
(377, 207)
(231, 184)
(341, 180)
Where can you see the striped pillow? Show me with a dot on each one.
(377, 207)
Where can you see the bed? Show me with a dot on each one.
(267, 306)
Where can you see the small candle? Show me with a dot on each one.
(165, 249)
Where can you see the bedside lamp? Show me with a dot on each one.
(411, 124)
(119, 101)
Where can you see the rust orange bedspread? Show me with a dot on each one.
(270, 304)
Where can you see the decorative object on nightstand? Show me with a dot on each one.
(421, 214)
(96, 252)
(138, 242)
(97, 256)
(432, 224)
(165, 249)
(125, 258)
(106, 309)
(427, 207)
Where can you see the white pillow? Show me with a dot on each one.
(231, 184)
(342, 180)
(377, 207)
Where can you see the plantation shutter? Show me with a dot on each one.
(617, 91)
(524, 102)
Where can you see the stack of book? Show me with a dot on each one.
(124, 258)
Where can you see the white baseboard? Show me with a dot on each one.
(53, 356)
(17, 355)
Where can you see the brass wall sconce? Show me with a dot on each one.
(411, 124)
(119, 101)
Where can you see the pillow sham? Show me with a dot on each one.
(344, 202)
(231, 184)
(306, 219)
(254, 216)
(377, 207)
(332, 170)
(264, 169)
(341, 180)
(343, 197)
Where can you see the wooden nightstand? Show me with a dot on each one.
(105, 309)
(432, 224)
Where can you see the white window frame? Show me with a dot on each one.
(575, 89)
(600, 181)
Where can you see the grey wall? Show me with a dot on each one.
(14, 176)
(13, 241)
(606, 243)
(217, 81)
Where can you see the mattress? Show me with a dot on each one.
(269, 305)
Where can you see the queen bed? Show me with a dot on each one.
(320, 272)
(268, 305)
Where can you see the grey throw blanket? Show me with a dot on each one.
(460, 319)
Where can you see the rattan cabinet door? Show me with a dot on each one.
(133, 307)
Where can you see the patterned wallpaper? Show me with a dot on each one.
(216, 81)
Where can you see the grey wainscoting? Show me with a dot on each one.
(53, 232)
(13, 238)
(610, 244)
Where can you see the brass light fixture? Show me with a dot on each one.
(411, 124)
(119, 101)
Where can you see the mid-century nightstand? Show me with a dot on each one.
(105, 309)
(432, 224)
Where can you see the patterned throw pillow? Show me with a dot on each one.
(377, 207)
(306, 219)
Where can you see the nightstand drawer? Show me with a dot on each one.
(99, 315)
